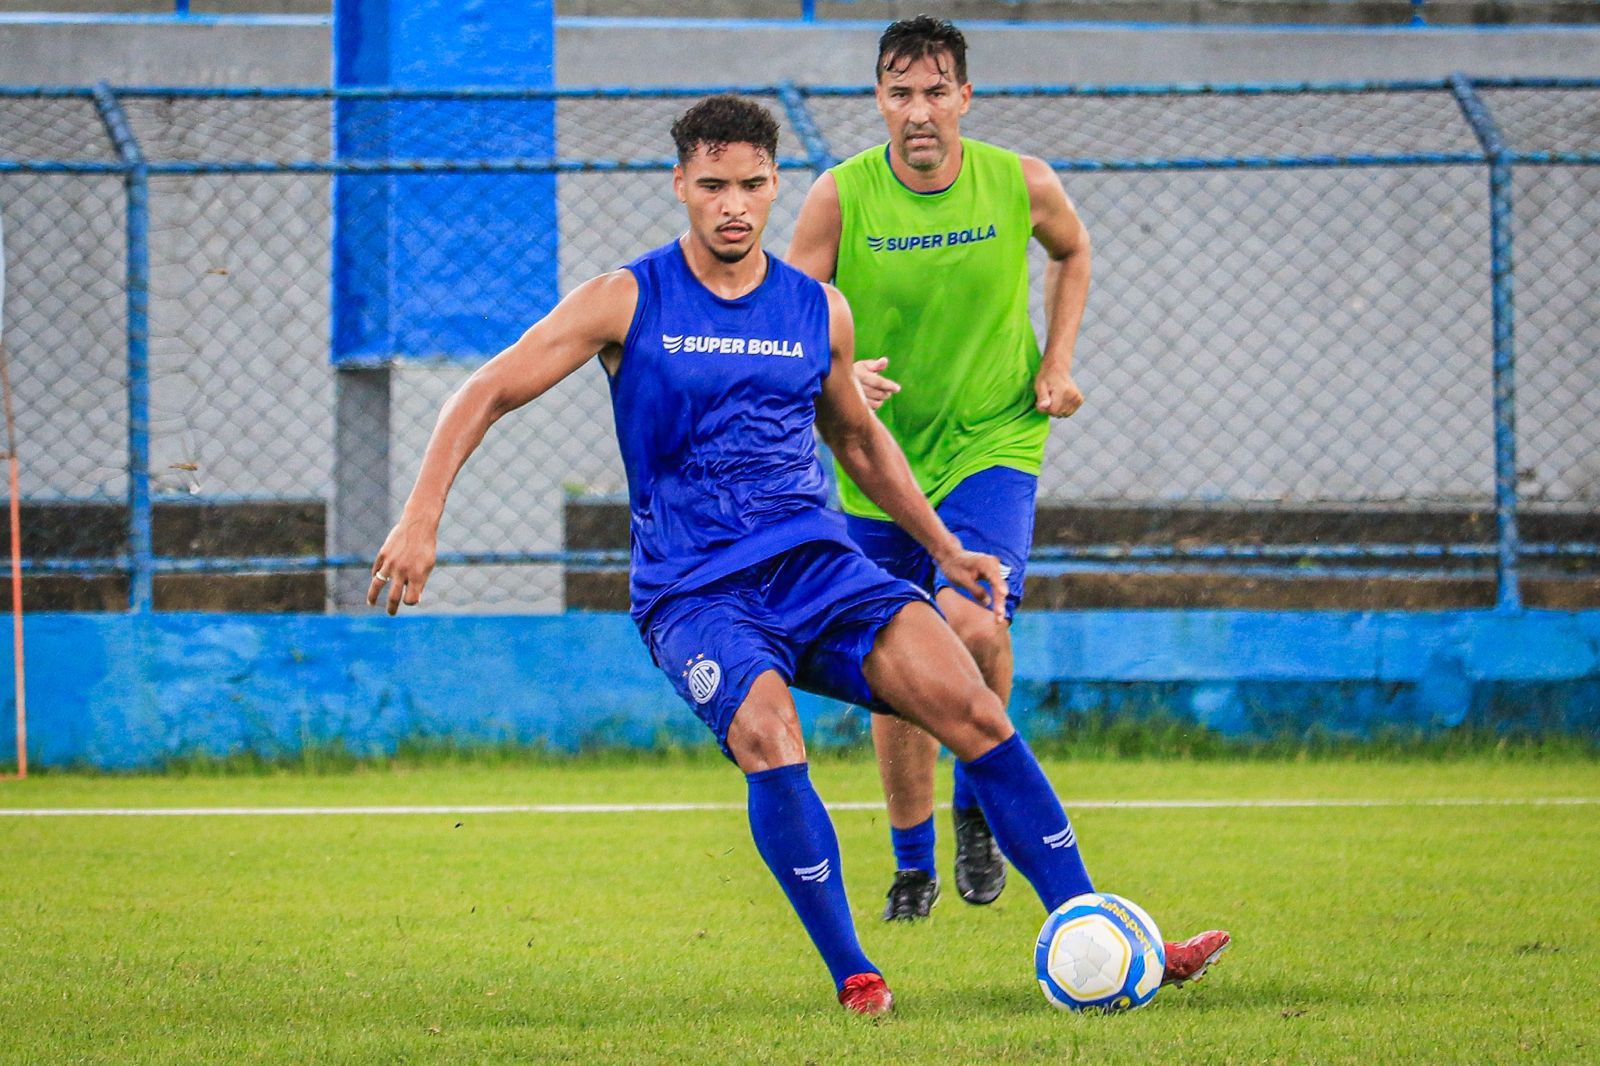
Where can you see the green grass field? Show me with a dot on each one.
(1412, 931)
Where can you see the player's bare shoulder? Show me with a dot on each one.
(1055, 220)
(605, 305)
(612, 297)
(823, 196)
(1045, 191)
(838, 306)
(841, 323)
(815, 246)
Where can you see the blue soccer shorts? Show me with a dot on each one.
(811, 613)
(990, 511)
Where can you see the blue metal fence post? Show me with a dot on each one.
(441, 265)
(818, 152)
(1417, 17)
(1500, 271)
(136, 177)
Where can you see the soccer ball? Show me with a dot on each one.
(1099, 952)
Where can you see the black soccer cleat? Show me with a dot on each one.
(980, 868)
(912, 896)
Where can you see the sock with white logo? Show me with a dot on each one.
(913, 848)
(1028, 822)
(795, 836)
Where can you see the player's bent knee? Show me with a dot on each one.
(766, 746)
(986, 641)
(765, 732)
(971, 722)
(974, 625)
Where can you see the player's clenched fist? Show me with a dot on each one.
(404, 563)
(1057, 394)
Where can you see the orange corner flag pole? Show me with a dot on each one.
(16, 530)
(16, 584)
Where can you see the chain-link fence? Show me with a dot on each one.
(1300, 322)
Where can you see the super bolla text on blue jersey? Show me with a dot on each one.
(715, 404)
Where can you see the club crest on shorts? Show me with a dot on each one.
(704, 676)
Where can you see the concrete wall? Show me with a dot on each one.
(127, 691)
(295, 51)
(82, 51)
(842, 53)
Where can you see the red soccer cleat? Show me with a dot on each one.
(866, 993)
(1188, 961)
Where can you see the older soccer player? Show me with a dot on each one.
(927, 236)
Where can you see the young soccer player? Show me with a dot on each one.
(721, 360)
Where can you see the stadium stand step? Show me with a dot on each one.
(601, 523)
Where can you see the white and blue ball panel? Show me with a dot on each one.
(1124, 962)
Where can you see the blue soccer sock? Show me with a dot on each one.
(795, 837)
(1028, 822)
(963, 798)
(913, 848)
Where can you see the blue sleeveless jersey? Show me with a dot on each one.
(714, 405)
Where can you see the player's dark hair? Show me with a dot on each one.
(718, 121)
(908, 40)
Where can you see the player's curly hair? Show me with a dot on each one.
(718, 121)
(908, 40)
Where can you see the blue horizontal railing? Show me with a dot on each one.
(1431, 560)
(296, 564)
(454, 93)
(585, 166)
(374, 166)
(1475, 555)
(614, 92)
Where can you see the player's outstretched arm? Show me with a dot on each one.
(1058, 228)
(593, 318)
(874, 461)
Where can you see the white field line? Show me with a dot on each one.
(669, 808)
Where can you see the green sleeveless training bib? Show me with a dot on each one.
(938, 282)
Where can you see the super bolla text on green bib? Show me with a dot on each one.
(938, 282)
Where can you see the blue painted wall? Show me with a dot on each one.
(127, 691)
(442, 265)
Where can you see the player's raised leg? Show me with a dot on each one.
(919, 664)
(919, 667)
(796, 838)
